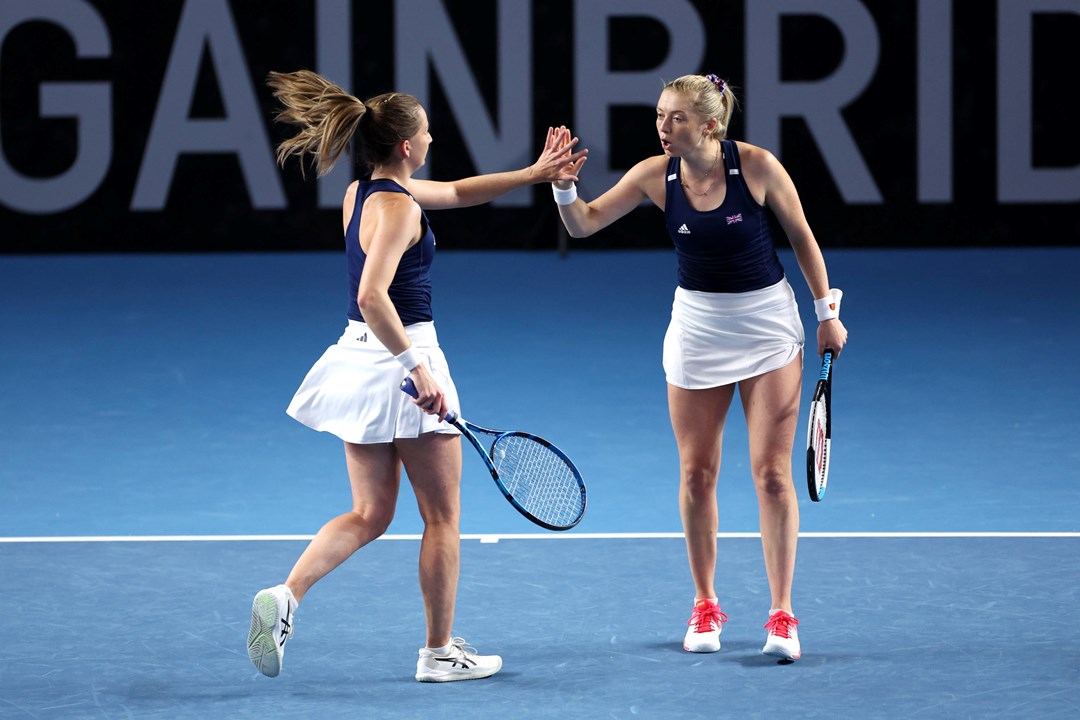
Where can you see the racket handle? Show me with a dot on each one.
(826, 363)
(409, 388)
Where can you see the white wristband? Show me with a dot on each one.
(564, 197)
(828, 307)
(409, 359)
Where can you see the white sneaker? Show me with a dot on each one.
(783, 640)
(271, 626)
(706, 622)
(461, 663)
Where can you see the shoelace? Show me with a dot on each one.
(463, 646)
(780, 624)
(465, 654)
(706, 617)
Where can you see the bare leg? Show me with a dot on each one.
(433, 463)
(374, 475)
(697, 417)
(771, 403)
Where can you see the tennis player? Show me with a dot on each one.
(352, 390)
(734, 323)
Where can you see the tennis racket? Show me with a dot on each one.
(536, 477)
(819, 434)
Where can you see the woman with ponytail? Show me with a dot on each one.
(734, 322)
(352, 390)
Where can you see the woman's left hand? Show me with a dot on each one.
(831, 334)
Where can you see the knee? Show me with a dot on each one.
(377, 520)
(699, 483)
(443, 521)
(773, 480)
(441, 516)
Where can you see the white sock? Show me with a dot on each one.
(441, 650)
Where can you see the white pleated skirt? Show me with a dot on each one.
(717, 339)
(353, 390)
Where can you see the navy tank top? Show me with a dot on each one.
(726, 250)
(410, 290)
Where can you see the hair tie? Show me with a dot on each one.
(715, 80)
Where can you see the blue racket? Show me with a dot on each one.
(819, 434)
(536, 477)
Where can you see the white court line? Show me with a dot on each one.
(496, 537)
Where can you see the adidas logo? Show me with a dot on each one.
(683, 230)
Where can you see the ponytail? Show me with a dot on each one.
(327, 117)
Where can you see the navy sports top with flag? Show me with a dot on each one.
(726, 250)
(410, 290)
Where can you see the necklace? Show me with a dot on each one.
(716, 161)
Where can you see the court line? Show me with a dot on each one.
(496, 537)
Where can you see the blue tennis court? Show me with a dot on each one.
(152, 483)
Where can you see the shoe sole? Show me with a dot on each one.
(262, 650)
(777, 653)
(687, 648)
(702, 648)
(437, 676)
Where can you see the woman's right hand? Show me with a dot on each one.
(557, 163)
(429, 396)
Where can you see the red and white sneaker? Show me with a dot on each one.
(706, 622)
(783, 640)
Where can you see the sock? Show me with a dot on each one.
(441, 650)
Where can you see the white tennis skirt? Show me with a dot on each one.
(718, 339)
(353, 390)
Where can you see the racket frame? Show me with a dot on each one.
(467, 429)
(822, 394)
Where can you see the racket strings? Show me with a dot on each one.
(819, 445)
(539, 479)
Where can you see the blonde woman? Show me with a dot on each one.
(734, 324)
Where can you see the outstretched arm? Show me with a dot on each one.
(643, 181)
(556, 163)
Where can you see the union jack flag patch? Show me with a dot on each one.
(737, 217)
